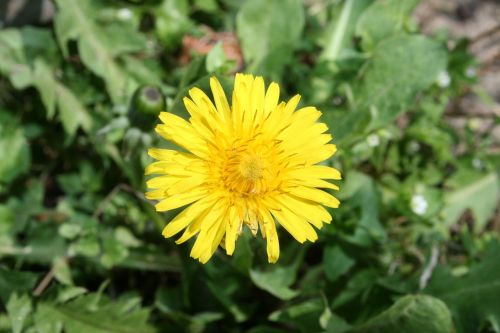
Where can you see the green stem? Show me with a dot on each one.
(332, 49)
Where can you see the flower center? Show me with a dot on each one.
(245, 172)
(251, 167)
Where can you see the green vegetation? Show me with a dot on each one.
(413, 247)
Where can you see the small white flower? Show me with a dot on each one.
(414, 146)
(373, 140)
(470, 72)
(443, 79)
(150, 44)
(124, 14)
(419, 204)
(477, 163)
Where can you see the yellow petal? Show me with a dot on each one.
(316, 195)
(207, 217)
(179, 200)
(312, 182)
(232, 226)
(220, 98)
(184, 218)
(257, 100)
(272, 98)
(315, 171)
(156, 194)
(273, 245)
(211, 233)
(295, 225)
(309, 210)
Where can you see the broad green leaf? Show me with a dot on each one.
(198, 322)
(360, 283)
(98, 45)
(18, 308)
(15, 282)
(336, 324)
(114, 251)
(269, 31)
(223, 297)
(276, 281)
(62, 271)
(69, 230)
(266, 329)
(382, 19)
(401, 67)
(70, 292)
(87, 245)
(336, 262)
(46, 321)
(472, 297)
(305, 315)
(7, 223)
(207, 5)
(172, 21)
(216, 58)
(478, 192)
(411, 314)
(366, 198)
(15, 155)
(126, 237)
(143, 70)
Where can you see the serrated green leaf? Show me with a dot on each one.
(114, 252)
(71, 111)
(411, 314)
(382, 19)
(481, 196)
(473, 297)
(98, 46)
(20, 48)
(27, 54)
(83, 315)
(304, 315)
(269, 31)
(62, 271)
(68, 293)
(401, 67)
(18, 308)
(15, 155)
(46, 85)
(15, 282)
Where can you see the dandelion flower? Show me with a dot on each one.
(254, 164)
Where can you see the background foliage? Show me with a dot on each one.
(413, 248)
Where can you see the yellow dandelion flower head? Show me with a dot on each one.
(254, 164)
